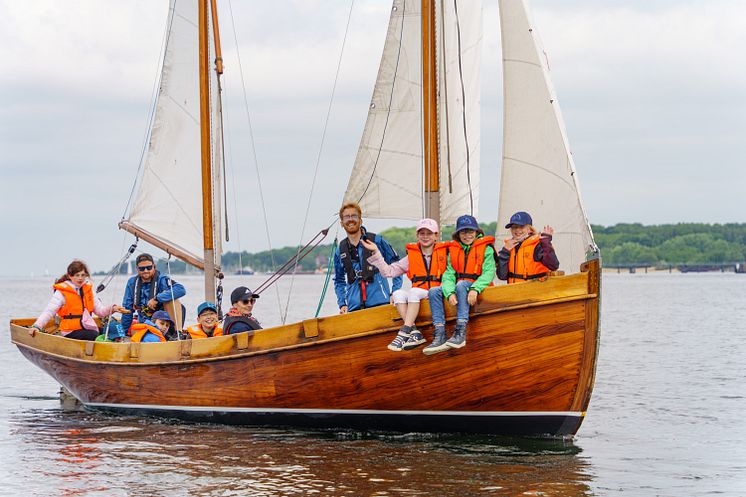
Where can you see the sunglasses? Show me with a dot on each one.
(248, 301)
(144, 268)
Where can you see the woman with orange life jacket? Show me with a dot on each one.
(424, 265)
(75, 303)
(471, 269)
(207, 322)
(526, 256)
(155, 329)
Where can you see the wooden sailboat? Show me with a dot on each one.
(528, 368)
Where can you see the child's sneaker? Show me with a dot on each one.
(397, 344)
(458, 339)
(415, 340)
(439, 342)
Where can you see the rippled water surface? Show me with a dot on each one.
(666, 418)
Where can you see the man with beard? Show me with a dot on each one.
(357, 283)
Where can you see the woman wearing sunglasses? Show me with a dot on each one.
(239, 318)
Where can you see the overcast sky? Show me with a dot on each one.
(653, 93)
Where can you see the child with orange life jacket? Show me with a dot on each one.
(424, 265)
(207, 322)
(155, 329)
(75, 303)
(526, 256)
(471, 269)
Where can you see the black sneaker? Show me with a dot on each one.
(458, 339)
(397, 344)
(415, 340)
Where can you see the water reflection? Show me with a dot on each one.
(80, 453)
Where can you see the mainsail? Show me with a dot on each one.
(538, 173)
(167, 208)
(387, 178)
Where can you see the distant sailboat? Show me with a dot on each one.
(529, 366)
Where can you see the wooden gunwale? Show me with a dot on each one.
(313, 343)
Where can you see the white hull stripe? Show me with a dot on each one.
(576, 414)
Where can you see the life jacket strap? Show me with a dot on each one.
(471, 276)
(416, 279)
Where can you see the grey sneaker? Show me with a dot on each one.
(458, 339)
(415, 340)
(397, 344)
(439, 342)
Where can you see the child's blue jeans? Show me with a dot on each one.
(437, 308)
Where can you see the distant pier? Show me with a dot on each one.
(723, 267)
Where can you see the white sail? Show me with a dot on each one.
(167, 208)
(538, 173)
(459, 108)
(387, 178)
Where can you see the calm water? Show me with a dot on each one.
(666, 418)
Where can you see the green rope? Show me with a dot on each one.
(328, 276)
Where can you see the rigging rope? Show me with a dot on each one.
(318, 157)
(463, 106)
(253, 149)
(292, 263)
(328, 275)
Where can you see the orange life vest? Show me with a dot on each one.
(71, 313)
(468, 266)
(139, 329)
(196, 331)
(522, 266)
(419, 274)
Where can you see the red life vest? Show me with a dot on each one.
(139, 329)
(71, 313)
(522, 266)
(419, 274)
(468, 266)
(196, 331)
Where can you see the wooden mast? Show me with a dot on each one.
(430, 112)
(204, 114)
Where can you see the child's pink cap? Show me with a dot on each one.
(429, 224)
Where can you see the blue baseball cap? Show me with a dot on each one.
(161, 315)
(206, 306)
(466, 222)
(519, 218)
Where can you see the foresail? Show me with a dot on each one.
(167, 208)
(459, 108)
(538, 173)
(387, 178)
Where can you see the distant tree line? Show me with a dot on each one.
(621, 244)
(671, 244)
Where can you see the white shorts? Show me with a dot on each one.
(410, 295)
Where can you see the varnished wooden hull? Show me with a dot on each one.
(527, 369)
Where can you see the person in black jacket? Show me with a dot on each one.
(239, 317)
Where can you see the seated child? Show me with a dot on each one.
(526, 255)
(471, 269)
(207, 322)
(424, 265)
(154, 330)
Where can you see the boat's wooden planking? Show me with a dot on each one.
(531, 347)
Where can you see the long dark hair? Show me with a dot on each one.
(73, 268)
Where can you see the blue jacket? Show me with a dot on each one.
(377, 292)
(163, 294)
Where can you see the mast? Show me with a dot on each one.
(205, 142)
(430, 112)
